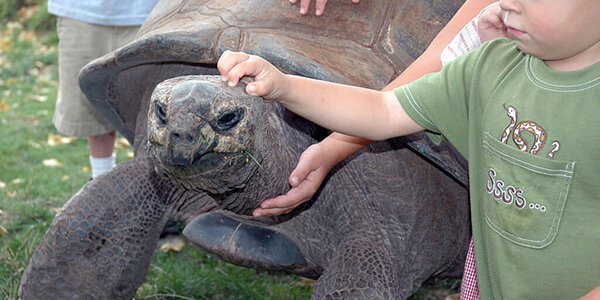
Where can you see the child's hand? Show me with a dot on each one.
(491, 24)
(268, 82)
(305, 180)
(320, 6)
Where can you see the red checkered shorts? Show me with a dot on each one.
(468, 288)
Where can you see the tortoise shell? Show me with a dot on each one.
(366, 45)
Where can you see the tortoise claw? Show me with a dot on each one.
(249, 245)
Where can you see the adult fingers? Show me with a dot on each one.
(320, 7)
(304, 4)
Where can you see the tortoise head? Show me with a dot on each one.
(208, 137)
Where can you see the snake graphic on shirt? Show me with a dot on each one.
(516, 129)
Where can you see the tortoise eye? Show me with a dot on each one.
(230, 119)
(161, 115)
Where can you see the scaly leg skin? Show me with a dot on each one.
(101, 243)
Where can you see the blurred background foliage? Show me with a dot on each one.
(33, 14)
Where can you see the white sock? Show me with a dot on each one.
(101, 165)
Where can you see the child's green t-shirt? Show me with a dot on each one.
(530, 135)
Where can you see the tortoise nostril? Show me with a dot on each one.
(230, 119)
(182, 138)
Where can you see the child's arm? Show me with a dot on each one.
(316, 162)
(357, 111)
(319, 6)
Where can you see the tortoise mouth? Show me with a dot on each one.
(212, 172)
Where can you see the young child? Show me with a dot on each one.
(517, 109)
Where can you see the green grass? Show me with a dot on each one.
(38, 176)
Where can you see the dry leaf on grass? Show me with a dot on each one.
(4, 107)
(307, 282)
(17, 181)
(453, 297)
(40, 98)
(5, 44)
(122, 143)
(26, 12)
(2, 184)
(55, 140)
(3, 231)
(172, 244)
(52, 162)
(34, 144)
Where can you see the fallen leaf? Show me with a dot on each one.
(307, 282)
(172, 244)
(142, 289)
(453, 297)
(52, 162)
(56, 140)
(3, 231)
(122, 143)
(40, 98)
(28, 35)
(25, 12)
(2, 185)
(5, 45)
(4, 106)
(11, 194)
(17, 181)
(85, 169)
(34, 145)
(34, 72)
(64, 178)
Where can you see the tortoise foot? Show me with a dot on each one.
(248, 245)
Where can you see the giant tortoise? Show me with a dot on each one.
(385, 220)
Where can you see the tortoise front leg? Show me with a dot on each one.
(100, 245)
(361, 268)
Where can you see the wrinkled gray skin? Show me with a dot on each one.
(384, 221)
